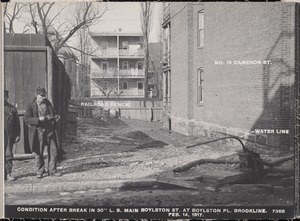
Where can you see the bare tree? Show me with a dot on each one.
(157, 75)
(84, 50)
(84, 46)
(156, 58)
(146, 15)
(86, 15)
(33, 11)
(108, 85)
(11, 15)
(43, 12)
(48, 15)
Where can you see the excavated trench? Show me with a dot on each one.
(246, 170)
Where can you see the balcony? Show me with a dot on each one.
(124, 53)
(110, 73)
(132, 73)
(131, 53)
(113, 73)
(106, 53)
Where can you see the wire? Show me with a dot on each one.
(183, 9)
(179, 11)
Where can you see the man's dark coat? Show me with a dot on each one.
(11, 121)
(32, 119)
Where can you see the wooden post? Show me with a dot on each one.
(151, 110)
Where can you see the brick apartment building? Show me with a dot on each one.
(117, 67)
(229, 69)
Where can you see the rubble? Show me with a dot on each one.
(105, 154)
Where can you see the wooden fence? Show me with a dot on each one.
(146, 114)
(131, 108)
(29, 63)
(71, 124)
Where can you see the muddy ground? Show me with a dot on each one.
(109, 149)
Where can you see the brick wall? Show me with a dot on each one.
(237, 98)
(179, 59)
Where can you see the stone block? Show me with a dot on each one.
(240, 134)
(260, 139)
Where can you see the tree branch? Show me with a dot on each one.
(48, 10)
(85, 21)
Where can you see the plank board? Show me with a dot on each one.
(18, 148)
(15, 77)
(9, 70)
(37, 40)
(8, 39)
(179, 182)
(228, 178)
(17, 39)
(25, 40)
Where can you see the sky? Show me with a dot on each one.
(124, 15)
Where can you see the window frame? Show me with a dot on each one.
(104, 62)
(105, 85)
(137, 65)
(142, 85)
(141, 45)
(127, 45)
(123, 83)
(127, 64)
(200, 73)
(199, 29)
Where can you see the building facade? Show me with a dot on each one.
(167, 63)
(229, 69)
(117, 65)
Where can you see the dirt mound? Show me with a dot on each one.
(152, 144)
(136, 135)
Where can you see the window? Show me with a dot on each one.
(200, 31)
(125, 85)
(140, 85)
(104, 48)
(104, 65)
(200, 73)
(105, 86)
(140, 45)
(125, 45)
(104, 45)
(140, 65)
(125, 65)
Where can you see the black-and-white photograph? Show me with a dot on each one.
(147, 110)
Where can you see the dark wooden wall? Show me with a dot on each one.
(24, 70)
(26, 67)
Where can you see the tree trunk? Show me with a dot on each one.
(146, 68)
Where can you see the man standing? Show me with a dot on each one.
(40, 117)
(11, 135)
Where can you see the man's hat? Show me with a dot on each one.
(40, 91)
(6, 93)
